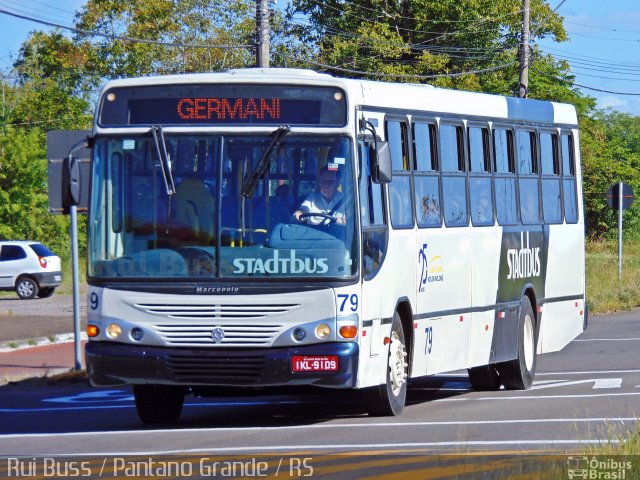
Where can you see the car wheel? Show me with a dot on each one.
(26, 288)
(46, 292)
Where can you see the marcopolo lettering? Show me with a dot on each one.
(281, 264)
(523, 262)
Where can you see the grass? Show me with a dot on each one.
(605, 293)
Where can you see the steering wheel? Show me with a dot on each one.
(326, 216)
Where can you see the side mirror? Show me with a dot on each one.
(381, 163)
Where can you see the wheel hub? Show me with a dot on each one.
(397, 365)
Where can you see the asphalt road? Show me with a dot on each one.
(588, 393)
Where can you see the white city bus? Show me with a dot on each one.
(459, 244)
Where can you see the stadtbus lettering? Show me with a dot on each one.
(281, 264)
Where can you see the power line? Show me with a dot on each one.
(398, 75)
(584, 86)
(118, 37)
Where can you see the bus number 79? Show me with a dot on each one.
(353, 301)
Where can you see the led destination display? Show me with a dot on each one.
(223, 105)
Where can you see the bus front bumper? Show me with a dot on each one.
(110, 364)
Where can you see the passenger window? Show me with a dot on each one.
(451, 148)
(427, 201)
(481, 200)
(569, 179)
(526, 152)
(400, 187)
(479, 149)
(12, 252)
(397, 137)
(549, 153)
(505, 180)
(529, 200)
(506, 205)
(455, 201)
(550, 163)
(424, 147)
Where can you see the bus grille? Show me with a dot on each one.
(179, 334)
(216, 311)
(224, 370)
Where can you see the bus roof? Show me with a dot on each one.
(385, 95)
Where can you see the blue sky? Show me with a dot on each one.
(604, 45)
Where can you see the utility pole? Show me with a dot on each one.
(523, 86)
(262, 33)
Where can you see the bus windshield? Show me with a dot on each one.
(298, 220)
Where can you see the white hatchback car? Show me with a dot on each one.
(29, 268)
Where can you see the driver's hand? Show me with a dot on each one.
(297, 214)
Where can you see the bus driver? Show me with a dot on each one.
(326, 201)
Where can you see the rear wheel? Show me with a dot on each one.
(484, 378)
(518, 374)
(26, 288)
(389, 399)
(158, 403)
(46, 292)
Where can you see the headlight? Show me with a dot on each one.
(114, 331)
(323, 331)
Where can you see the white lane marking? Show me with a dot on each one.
(607, 339)
(589, 372)
(335, 425)
(350, 447)
(598, 383)
(539, 397)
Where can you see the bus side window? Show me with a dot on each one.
(400, 186)
(528, 177)
(426, 178)
(374, 228)
(504, 177)
(480, 193)
(454, 188)
(569, 179)
(550, 169)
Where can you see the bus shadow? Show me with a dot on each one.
(306, 406)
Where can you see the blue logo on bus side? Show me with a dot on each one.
(422, 263)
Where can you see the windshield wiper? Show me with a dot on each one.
(263, 164)
(165, 159)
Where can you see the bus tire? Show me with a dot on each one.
(158, 403)
(518, 374)
(389, 398)
(484, 378)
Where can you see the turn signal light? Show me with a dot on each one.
(92, 331)
(348, 331)
(43, 262)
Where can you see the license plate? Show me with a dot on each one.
(57, 278)
(325, 363)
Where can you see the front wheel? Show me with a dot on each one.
(518, 374)
(389, 399)
(158, 403)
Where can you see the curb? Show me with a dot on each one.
(16, 345)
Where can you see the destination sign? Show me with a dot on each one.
(223, 105)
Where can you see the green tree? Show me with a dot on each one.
(404, 40)
(23, 192)
(163, 23)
